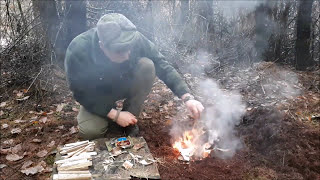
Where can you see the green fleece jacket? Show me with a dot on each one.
(92, 77)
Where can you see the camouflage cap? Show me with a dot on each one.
(116, 32)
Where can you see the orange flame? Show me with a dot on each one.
(188, 145)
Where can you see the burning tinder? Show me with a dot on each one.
(189, 145)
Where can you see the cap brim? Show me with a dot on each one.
(124, 41)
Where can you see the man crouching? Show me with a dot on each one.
(111, 69)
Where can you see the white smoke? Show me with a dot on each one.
(232, 8)
(281, 85)
(221, 117)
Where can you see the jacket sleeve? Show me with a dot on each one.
(81, 83)
(163, 69)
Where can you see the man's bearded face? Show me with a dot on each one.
(116, 56)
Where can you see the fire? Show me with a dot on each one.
(190, 145)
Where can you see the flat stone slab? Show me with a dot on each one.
(115, 170)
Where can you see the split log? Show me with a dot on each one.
(70, 154)
(74, 172)
(66, 150)
(71, 176)
(71, 149)
(81, 164)
(89, 147)
(75, 158)
(82, 154)
(76, 143)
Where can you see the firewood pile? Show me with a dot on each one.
(75, 162)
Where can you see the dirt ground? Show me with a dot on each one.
(281, 137)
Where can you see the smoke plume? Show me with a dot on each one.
(221, 116)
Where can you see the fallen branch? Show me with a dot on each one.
(34, 80)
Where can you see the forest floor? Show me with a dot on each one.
(281, 134)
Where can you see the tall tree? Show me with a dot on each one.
(48, 14)
(74, 23)
(303, 57)
(205, 10)
(263, 30)
(60, 34)
(76, 18)
(182, 17)
(184, 9)
(283, 30)
(149, 21)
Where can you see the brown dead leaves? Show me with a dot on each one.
(42, 153)
(23, 99)
(17, 148)
(26, 169)
(43, 119)
(21, 94)
(4, 126)
(51, 144)
(15, 131)
(60, 107)
(13, 157)
(3, 104)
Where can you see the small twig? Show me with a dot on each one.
(284, 155)
(292, 115)
(57, 35)
(21, 36)
(34, 79)
(264, 92)
(183, 29)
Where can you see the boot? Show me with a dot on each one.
(132, 130)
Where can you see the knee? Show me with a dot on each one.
(90, 134)
(91, 126)
(146, 67)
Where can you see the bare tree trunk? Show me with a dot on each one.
(75, 24)
(49, 19)
(206, 12)
(185, 12)
(9, 16)
(149, 21)
(283, 30)
(262, 28)
(22, 14)
(182, 19)
(76, 19)
(304, 19)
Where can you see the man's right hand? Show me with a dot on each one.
(126, 118)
